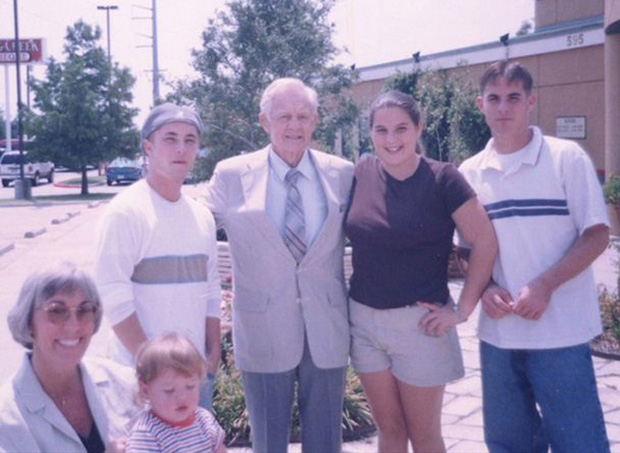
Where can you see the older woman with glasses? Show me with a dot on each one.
(57, 401)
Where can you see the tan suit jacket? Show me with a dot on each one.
(275, 301)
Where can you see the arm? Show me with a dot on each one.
(130, 332)
(213, 309)
(475, 227)
(213, 344)
(215, 197)
(533, 298)
(496, 301)
(117, 253)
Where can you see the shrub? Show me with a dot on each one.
(230, 410)
(610, 313)
(611, 189)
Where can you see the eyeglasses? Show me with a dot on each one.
(58, 312)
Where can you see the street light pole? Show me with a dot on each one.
(107, 9)
(22, 185)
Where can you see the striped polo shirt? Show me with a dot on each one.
(540, 199)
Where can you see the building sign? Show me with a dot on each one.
(30, 51)
(570, 127)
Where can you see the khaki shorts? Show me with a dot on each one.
(391, 340)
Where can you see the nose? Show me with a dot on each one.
(73, 322)
(503, 105)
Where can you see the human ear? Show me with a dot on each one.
(147, 146)
(264, 122)
(479, 103)
(143, 390)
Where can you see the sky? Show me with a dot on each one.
(369, 32)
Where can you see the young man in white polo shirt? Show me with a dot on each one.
(541, 308)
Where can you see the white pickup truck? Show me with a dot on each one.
(9, 169)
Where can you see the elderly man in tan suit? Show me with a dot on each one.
(282, 208)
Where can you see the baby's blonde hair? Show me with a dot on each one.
(170, 350)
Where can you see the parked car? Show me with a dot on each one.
(9, 168)
(123, 169)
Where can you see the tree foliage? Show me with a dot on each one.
(245, 48)
(82, 109)
(454, 128)
(526, 28)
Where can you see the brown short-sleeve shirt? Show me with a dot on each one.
(401, 232)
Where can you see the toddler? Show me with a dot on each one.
(169, 370)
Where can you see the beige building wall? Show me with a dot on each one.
(549, 12)
(567, 83)
(612, 85)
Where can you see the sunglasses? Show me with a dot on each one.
(59, 313)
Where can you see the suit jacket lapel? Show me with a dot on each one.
(36, 400)
(254, 183)
(93, 384)
(330, 181)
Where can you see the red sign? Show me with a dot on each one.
(30, 51)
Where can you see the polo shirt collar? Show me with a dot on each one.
(527, 155)
(281, 168)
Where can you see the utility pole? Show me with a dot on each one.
(155, 60)
(153, 38)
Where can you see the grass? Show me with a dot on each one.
(77, 182)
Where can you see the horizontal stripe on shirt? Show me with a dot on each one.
(527, 207)
(162, 270)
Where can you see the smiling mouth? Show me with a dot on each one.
(69, 343)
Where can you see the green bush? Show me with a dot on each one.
(230, 410)
(611, 189)
(610, 313)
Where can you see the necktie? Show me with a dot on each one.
(294, 222)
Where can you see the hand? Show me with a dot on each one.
(117, 445)
(496, 301)
(439, 319)
(532, 300)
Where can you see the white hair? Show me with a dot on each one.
(278, 85)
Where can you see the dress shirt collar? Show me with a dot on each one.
(281, 168)
(527, 155)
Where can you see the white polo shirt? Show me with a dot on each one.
(540, 200)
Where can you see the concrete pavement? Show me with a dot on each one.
(74, 239)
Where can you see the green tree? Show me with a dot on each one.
(245, 48)
(454, 127)
(526, 28)
(82, 109)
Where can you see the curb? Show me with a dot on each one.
(5, 248)
(66, 218)
(34, 233)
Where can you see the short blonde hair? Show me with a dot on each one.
(170, 350)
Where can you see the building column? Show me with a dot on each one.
(612, 106)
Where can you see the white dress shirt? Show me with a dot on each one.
(310, 189)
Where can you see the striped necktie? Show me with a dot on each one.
(294, 222)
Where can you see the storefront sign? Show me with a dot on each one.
(30, 51)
